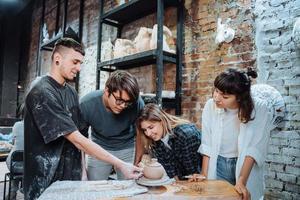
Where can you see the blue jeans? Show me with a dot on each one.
(226, 169)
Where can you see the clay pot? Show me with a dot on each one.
(153, 169)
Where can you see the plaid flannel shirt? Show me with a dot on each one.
(182, 159)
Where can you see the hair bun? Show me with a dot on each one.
(251, 72)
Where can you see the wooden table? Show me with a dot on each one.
(180, 190)
(184, 190)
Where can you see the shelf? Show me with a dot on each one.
(3, 156)
(134, 9)
(129, 12)
(8, 121)
(169, 103)
(50, 43)
(136, 60)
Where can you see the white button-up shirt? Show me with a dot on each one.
(253, 137)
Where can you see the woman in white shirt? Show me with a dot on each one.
(236, 125)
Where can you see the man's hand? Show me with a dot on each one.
(241, 189)
(130, 171)
(91, 148)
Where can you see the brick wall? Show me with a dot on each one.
(278, 62)
(263, 40)
(203, 58)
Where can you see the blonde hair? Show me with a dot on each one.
(154, 113)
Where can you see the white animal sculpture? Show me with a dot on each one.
(224, 32)
(153, 41)
(107, 50)
(123, 47)
(142, 40)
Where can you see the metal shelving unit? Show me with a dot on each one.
(129, 12)
(138, 59)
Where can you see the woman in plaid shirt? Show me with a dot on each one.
(172, 140)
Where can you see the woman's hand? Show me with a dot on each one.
(196, 177)
(241, 189)
(241, 183)
(130, 171)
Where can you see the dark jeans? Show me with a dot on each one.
(226, 169)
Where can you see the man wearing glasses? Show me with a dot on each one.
(111, 114)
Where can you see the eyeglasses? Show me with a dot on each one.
(120, 101)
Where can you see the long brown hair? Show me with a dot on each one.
(237, 82)
(154, 113)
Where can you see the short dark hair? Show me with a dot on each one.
(122, 80)
(237, 82)
(68, 43)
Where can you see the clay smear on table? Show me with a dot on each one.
(192, 189)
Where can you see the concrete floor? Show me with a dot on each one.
(3, 171)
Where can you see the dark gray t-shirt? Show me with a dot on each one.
(51, 111)
(111, 131)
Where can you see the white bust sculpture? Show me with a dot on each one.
(166, 33)
(142, 40)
